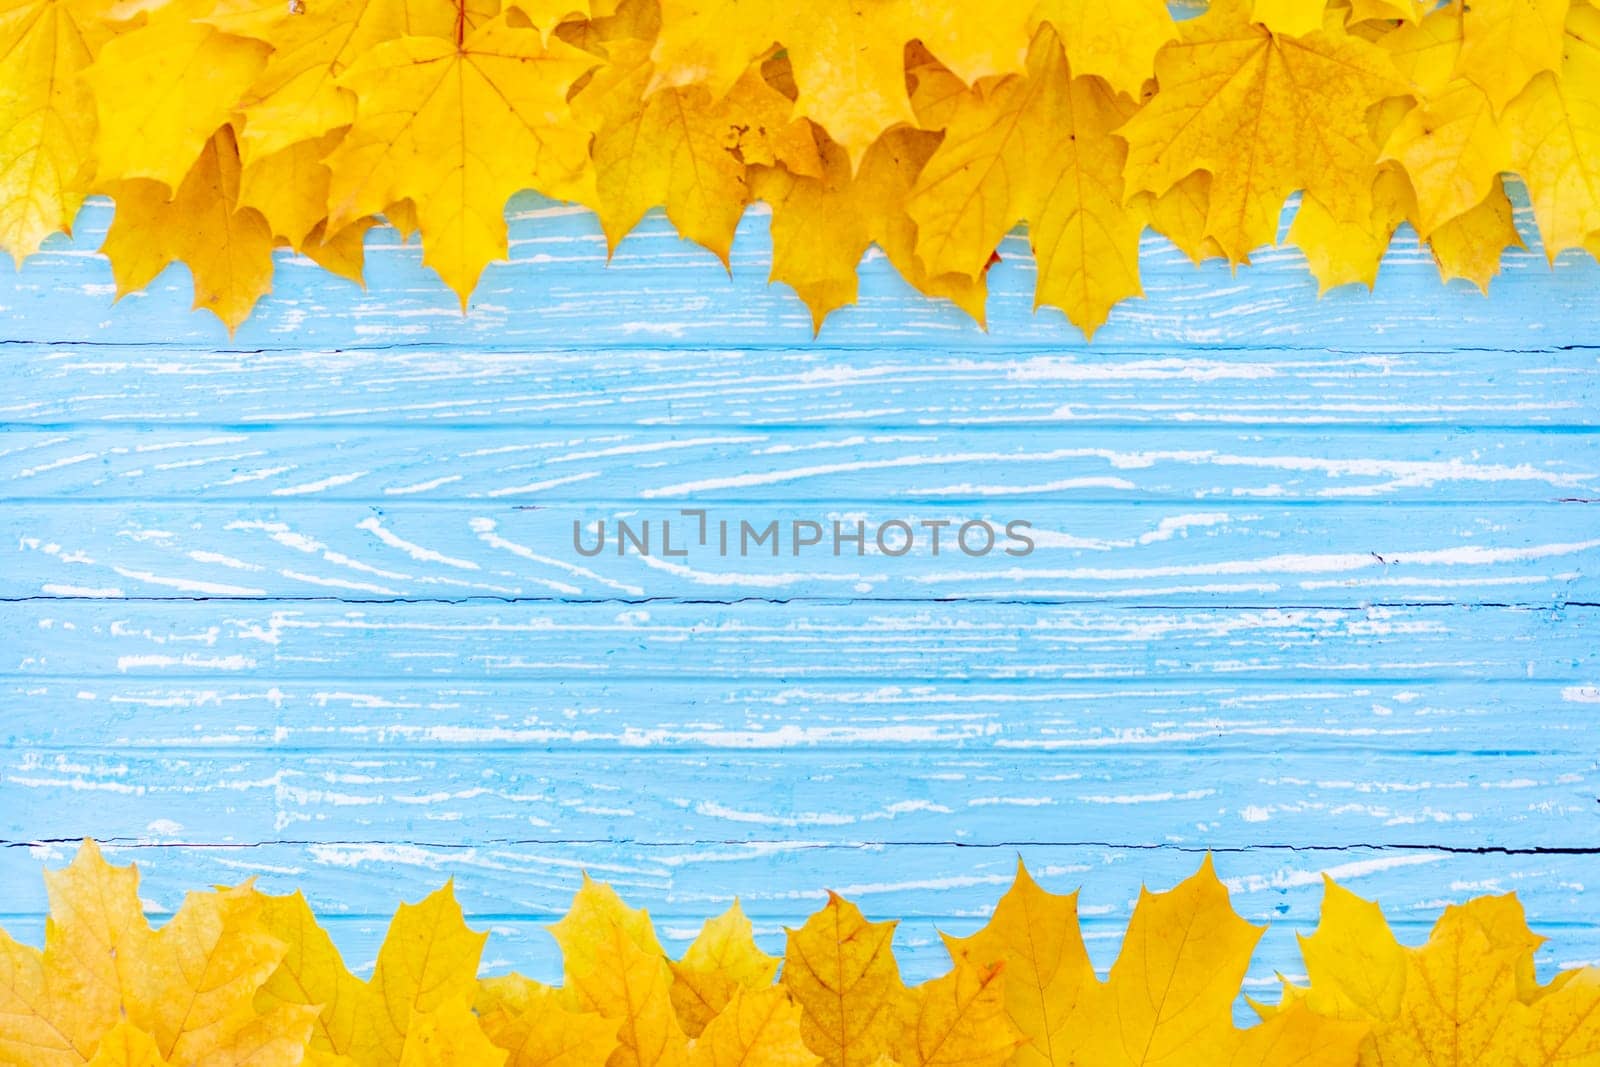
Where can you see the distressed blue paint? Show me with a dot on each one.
(1320, 592)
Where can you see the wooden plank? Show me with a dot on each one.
(886, 386)
(797, 643)
(1219, 717)
(556, 292)
(676, 468)
(1384, 797)
(1223, 552)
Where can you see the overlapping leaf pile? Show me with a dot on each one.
(240, 978)
(224, 128)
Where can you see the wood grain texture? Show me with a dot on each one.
(1315, 586)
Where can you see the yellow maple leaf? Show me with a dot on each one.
(296, 96)
(1180, 213)
(1040, 148)
(534, 1024)
(429, 958)
(1292, 17)
(33, 1029)
(1036, 935)
(1470, 246)
(821, 226)
(127, 1046)
(757, 1028)
(1468, 996)
(614, 965)
(992, 168)
(110, 991)
(1344, 251)
(311, 973)
(1386, 11)
(847, 56)
(290, 187)
(1173, 985)
(343, 253)
(226, 246)
(198, 981)
(680, 149)
(1565, 1022)
(1117, 41)
(722, 959)
(1505, 43)
(841, 970)
(959, 1020)
(47, 116)
(1467, 245)
(587, 932)
(94, 939)
(1170, 994)
(1555, 137)
(457, 127)
(1265, 115)
(1451, 144)
(139, 76)
(1459, 1001)
(449, 1036)
(1356, 966)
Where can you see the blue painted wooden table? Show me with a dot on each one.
(1315, 587)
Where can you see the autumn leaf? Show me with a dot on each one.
(1170, 993)
(1467, 996)
(1555, 137)
(959, 1020)
(139, 75)
(1506, 43)
(1451, 144)
(535, 1025)
(1173, 985)
(93, 942)
(822, 226)
(1117, 41)
(1292, 18)
(47, 116)
(722, 960)
(240, 979)
(679, 149)
(226, 245)
(311, 973)
(1265, 115)
(449, 1036)
(848, 57)
(1469, 247)
(1180, 214)
(614, 966)
(1039, 148)
(197, 986)
(759, 1027)
(1047, 970)
(841, 970)
(289, 187)
(296, 97)
(128, 1046)
(110, 991)
(429, 958)
(457, 128)
(1357, 968)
